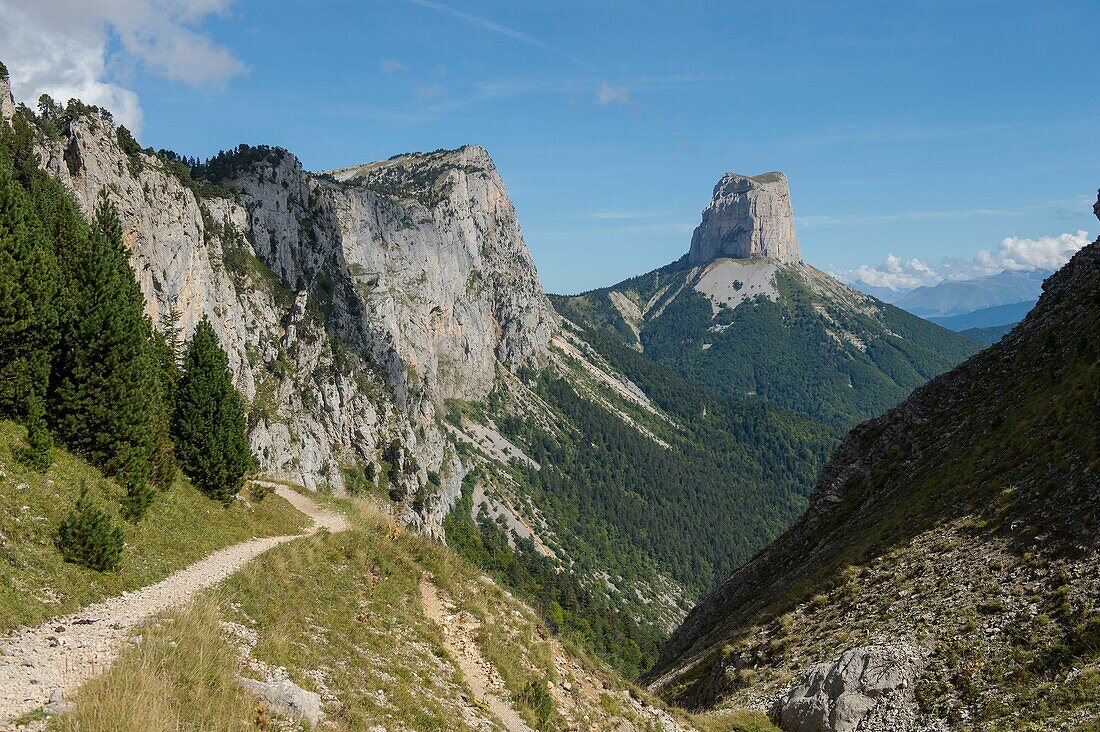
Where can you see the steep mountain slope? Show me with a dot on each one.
(990, 334)
(646, 488)
(949, 552)
(351, 304)
(742, 314)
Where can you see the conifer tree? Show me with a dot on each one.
(29, 282)
(209, 423)
(165, 346)
(107, 391)
(39, 451)
(166, 351)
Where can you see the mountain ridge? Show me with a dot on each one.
(974, 503)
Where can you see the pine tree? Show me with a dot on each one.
(209, 423)
(89, 537)
(39, 451)
(165, 346)
(29, 282)
(107, 391)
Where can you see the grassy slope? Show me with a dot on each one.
(181, 527)
(342, 614)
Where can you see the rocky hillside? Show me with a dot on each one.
(945, 574)
(742, 314)
(351, 304)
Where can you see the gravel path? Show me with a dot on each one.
(479, 674)
(53, 659)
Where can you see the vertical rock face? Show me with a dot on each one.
(434, 250)
(7, 104)
(748, 216)
(351, 304)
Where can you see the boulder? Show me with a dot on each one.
(286, 698)
(868, 688)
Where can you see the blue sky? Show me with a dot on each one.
(922, 129)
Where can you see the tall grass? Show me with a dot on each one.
(182, 676)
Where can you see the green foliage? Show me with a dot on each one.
(29, 290)
(209, 420)
(39, 451)
(107, 398)
(228, 164)
(87, 536)
(562, 601)
(182, 527)
(736, 476)
(784, 350)
(130, 147)
(535, 697)
(3, 70)
(421, 177)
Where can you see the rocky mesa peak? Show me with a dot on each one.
(748, 216)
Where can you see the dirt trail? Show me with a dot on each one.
(462, 647)
(59, 655)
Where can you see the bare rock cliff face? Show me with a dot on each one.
(748, 216)
(350, 305)
(434, 250)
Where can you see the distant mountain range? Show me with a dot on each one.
(984, 307)
(965, 296)
(986, 317)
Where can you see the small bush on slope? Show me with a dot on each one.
(87, 536)
(35, 581)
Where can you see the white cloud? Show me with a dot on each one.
(61, 47)
(1013, 253)
(392, 66)
(607, 94)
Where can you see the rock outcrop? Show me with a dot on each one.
(286, 698)
(867, 689)
(7, 104)
(748, 216)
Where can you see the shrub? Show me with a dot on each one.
(259, 491)
(88, 536)
(536, 698)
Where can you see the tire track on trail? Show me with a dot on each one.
(475, 668)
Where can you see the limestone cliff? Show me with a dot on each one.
(748, 216)
(351, 304)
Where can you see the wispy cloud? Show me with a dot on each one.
(1013, 253)
(812, 220)
(60, 47)
(430, 91)
(885, 132)
(607, 94)
(491, 26)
